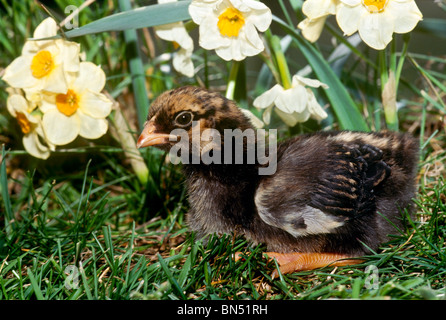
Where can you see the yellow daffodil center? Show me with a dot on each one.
(42, 64)
(24, 124)
(375, 6)
(67, 103)
(230, 22)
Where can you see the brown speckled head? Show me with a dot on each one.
(180, 108)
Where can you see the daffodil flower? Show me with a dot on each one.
(231, 27)
(44, 64)
(31, 127)
(377, 20)
(81, 110)
(316, 12)
(293, 105)
(177, 33)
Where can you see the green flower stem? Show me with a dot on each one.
(383, 67)
(388, 90)
(394, 69)
(232, 80)
(279, 65)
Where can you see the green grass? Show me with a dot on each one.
(82, 241)
(82, 225)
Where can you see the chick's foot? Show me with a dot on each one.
(296, 261)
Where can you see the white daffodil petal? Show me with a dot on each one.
(351, 3)
(210, 37)
(18, 73)
(41, 133)
(297, 79)
(34, 147)
(175, 32)
(199, 10)
(348, 18)
(376, 30)
(267, 115)
(47, 28)
(165, 31)
(33, 96)
(292, 100)
(255, 42)
(94, 104)
(231, 26)
(231, 52)
(91, 128)
(302, 116)
(262, 18)
(182, 63)
(406, 14)
(290, 119)
(56, 81)
(90, 77)
(315, 108)
(16, 103)
(48, 102)
(182, 37)
(315, 9)
(69, 53)
(312, 29)
(60, 129)
(266, 99)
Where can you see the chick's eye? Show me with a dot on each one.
(184, 118)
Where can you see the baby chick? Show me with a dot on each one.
(334, 196)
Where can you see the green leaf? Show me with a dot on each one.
(136, 68)
(343, 105)
(35, 286)
(433, 26)
(9, 215)
(142, 17)
(170, 277)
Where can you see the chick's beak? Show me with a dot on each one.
(149, 136)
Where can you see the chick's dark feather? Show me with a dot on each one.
(336, 192)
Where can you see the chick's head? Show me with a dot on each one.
(189, 110)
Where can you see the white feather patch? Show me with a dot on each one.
(316, 221)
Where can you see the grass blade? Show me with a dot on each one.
(4, 192)
(170, 277)
(35, 286)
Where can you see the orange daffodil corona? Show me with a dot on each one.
(53, 96)
(80, 111)
(374, 20)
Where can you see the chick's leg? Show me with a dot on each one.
(295, 261)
